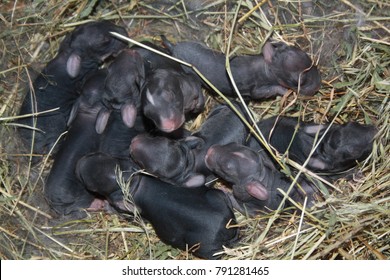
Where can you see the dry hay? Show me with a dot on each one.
(349, 40)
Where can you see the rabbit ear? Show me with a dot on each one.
(257, 190)
(101, 120)
(268, 52)
(313, 129)
(317, 163)
(73, 112)
(150, 98)
(73, 65)
(129, 114)
(195, 180)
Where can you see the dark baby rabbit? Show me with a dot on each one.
(59, 84)
(92, 129)
(254, 178)
(280, 67)
(170, 94)
(341, 148)
(195, 218)
(182, 161)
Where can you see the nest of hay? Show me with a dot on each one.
(348, 39)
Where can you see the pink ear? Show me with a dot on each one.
(149, 97)
(313, 129)
(101, 120)
(129, 113)
(73, 65)
(73, 113)
(317, 163)
(195, 181)
(257, 190)
(268, 52)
